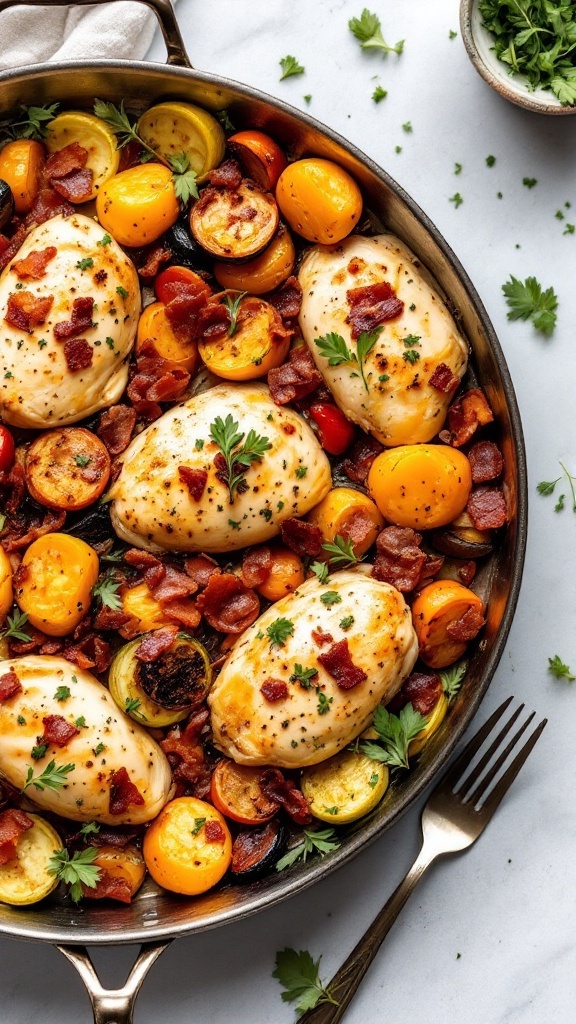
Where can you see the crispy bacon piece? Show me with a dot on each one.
(156, 643)
(13, 824)
(302, 538)
(150, 258)
(66, 171)
(432, 566)
(214, 320)
(78, 354)
(466, 573)
(443, 379)
(123, 793)
(421, 689)
(487, 508)
(26, 311)
(227, 604)
(109, 887)
(256, 565)
(80, 321)
(227, 175)
(213, 832)
(338, 662)
(89, 652)
(155, 380)
(115, 428)
(9, 246)
(358, 527)
(76, 186)
(34, 264)
(48, 203)
(174, 584)
(399, 560)
(57, 731)
(200, 568)
(357, 465)
(15, 479)
(141, 559)
(465, 415)
(321, 638)
(273, 690)
(295, 379)
(185, 301)
(52, 521)
(110, 618)
(466, 627)
(10, 685)
(486, 461)
(37, 639)
(182, 611)
(287, 299)
(284, 792)
(371, 306)
(194, 479)
(185, 751)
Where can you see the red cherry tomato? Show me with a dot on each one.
(7, 450)
(165, 283)
(334, 430)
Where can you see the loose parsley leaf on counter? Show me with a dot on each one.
(298, 975)
(456, 199)
(490, 161)
(394, 735)
(76, 870)
(290, 66)
(320, 841)
(368, 30)
(529, 182)
(559, 670)
(379, 94)
(239, 450)
(527, 301)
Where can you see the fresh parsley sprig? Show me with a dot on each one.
(290, 67)
(51, 777)
(340, 552)
(33, 123)
(559, 669)
(279, 631)
(452, 678)
(14, 629)
(320, 841)
(239, 451)
(232, 302)
(106, 591)
(368, 30)
(184, 178)
(547, 487)
(299, 977)
(394, 735)
(321, 571)
(334, 348)
(527, 301)
(75, 871)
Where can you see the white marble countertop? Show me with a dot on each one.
(489, 936)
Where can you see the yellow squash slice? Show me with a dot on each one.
(93, 135)
(173, 128)
(345, 787)
(25, 879)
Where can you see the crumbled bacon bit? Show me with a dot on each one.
(47, 204)
(466, 627)
(110, 618)
(109, 887)
(443, 379)
(194, 479)
(273, 690)
(362, 455)
(185, 752)
(486, 461)
(256, 565)
(10, 246)
(287, 299)
(358, 527)
(13, 824)
(173, 584)
(227, 604)
(466, 573)
(156, 643)
(123, 793)
(465, 415)
(184, 302)
(422, 690)
(321, 638)
(141, 559)
(150, 258)
(227, 175)
(90, 652)
(155, 380)
(78, 354)
(115, 428)
(200, 568)
(80, 321)
(213, 832)
(338, 662)
(371, 306)
(76, 186)
(399, 560)
(295, 379)
(66, 171)
(487, 508)
(182, 611)
(57, 731)
(51, 522)
(285, 793)
(10, 685)
(26, 311)
(34, 264)
(302, 538)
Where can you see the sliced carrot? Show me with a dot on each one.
(435, 612)
(155, 326)
(67, 469)
(235, 790)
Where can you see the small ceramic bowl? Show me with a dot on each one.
(479, 42)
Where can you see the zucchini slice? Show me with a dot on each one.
(180, 679)
(345, 787)
(93, 135)
(234, 224)
(174, 128)
(25, 879)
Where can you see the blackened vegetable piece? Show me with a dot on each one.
(255, 851)
(6, 204)
(179, 678)
(184, 248)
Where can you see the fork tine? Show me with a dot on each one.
(503, 785)
(462, 763)
(473, 797)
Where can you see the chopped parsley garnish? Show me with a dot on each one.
(62, 693)
(38, 751)
(51, 777)
(98, 749)
(290, 67)
(373, 780)
(106, 591)
(320, 841)
(198, 825)
(559, 669)
(407, 127)
(379, 94)
(368, 30)
(198, 444)
(89, 828)
(279, 631)
(346, 622)
(452, 677)
(457, 168)
(14, 629)
(303, 676)
(490, 161)
(452, 34)
(239, 451)
(82, 460)
(321, 571)
(394, 735)
(529, 182)
(80, 723)
(456, 199)
(411, 356)
(341, 552)
(330, 597)
(527, 301)
(76, 871)
(85, 263)
(105, 240)
(324, 702)
(301, 472)
(122, 291)
(333, 347)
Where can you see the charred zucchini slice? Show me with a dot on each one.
(161, 692)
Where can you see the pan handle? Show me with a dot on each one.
(163, 9)
(113, 1006)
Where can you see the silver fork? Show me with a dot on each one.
(456, 813)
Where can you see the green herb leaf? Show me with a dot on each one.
(368, 30)
(232, 302)
(320, 841)
(106, 591)
(559, 669)
(51, 777)
(62, 693)
(341, 552)
(131, 704)
(298, 976)
(89, 828)
(346, 622)
(330, 597)
(379, 94)
(303, 676)
(198, 825)
(452, 677)
(184, 178)
(320, 570)
(395, 733)
(456, 199)
(290, 66)
(279, 631)
(75, 871)
(31, 123)
(333, 347)
(239, 451)
(527, 301)
(324, 702)
(364, 346)
(16, 621)
(546, 487)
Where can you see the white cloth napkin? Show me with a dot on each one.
(29, 35)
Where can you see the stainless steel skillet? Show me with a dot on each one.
(155, 917)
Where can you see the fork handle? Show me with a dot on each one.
(345, 982)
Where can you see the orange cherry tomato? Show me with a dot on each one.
(138, 205)
(164, 284)
(235, 790)
(21, 165)
(435, 612)
(261, 157)
(184, 850)
(285, 576)
(319, 199)
(155, 326)
(420, 485)
(56, 591)
(253, 349)
(264, 272)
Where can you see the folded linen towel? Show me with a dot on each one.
(30, 35)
